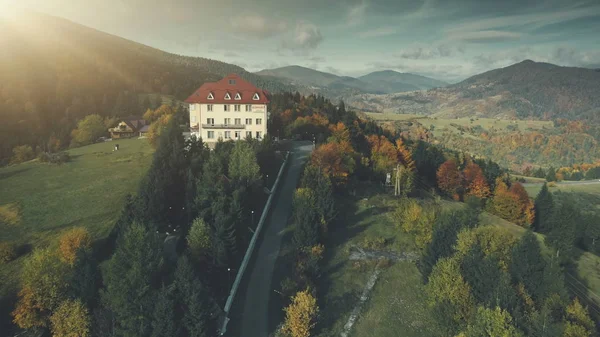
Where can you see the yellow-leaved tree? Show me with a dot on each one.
(301, 315)
(70, 319)
(70, 243)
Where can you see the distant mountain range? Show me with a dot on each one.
(334, 86)
(526, 90)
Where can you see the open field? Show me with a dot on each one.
(42, 200)
(397, 300)
(446, 123)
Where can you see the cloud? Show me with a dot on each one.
(231, 54)
(356, 14)
(333, 70)
(306, 36)
(316, 59)
(485, 36)
(377, 32)
(420, 52)
(257, 26)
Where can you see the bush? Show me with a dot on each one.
(7, 252)
(22, 154)
(54, 158)
(373, 243)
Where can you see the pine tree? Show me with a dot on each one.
(562, 227)
(551, 175)
(162, 192)
(527, 265)
(193, 300)
(128, 278)
(163, 318)
(543, 209)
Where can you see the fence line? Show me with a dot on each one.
(250, 249)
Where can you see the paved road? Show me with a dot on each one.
(256, 306)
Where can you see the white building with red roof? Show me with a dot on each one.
(231, 108)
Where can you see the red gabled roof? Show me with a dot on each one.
(220, 88)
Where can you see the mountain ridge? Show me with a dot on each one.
(379, 82)
(524, 90)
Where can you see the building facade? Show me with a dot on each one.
(231, 108)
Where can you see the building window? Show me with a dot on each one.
(225, 107)
(237, 107)
(227, 121)
(227, 134)
(210, 96)
(248, 134)
(237, 134)
(227, 96)
(238, 121)
(258, 121)
(257, 134)
(238, 96)
(231, 81)
(248, 121)
(210, 135)
(210, 121)
(194, 119)
(209, 107)
(192, 107)
(256, 97)
(248, 107)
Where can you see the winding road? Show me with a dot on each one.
(256, 305)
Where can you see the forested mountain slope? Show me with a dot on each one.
(54, 72)
(526, 90)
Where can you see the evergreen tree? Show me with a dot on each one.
(128, 277)
(562, 227)
(225, 239)
(445, 230)
(193, 301)
(162, 192)
(527, 265)
(163, 318)
(482, 273)
(83, 282)
(551, 175)
(543, 210)
(243, 167)
(305, 218)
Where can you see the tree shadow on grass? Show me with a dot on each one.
(8, 174)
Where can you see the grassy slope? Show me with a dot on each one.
(397, 300)
(88, 191)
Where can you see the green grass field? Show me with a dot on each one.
(42, 201)
(397, 301)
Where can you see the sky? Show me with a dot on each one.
(447, 40)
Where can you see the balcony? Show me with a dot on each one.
(223, 126)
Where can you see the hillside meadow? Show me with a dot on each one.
(38, 201)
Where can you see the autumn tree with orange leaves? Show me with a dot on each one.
(335, 160)
(405, 155)
(449, 178)
(474, 181)
(384, 156)
(512, 204)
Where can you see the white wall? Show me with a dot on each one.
(219, 114)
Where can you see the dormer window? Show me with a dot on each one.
(255, 97)
(210, 96)
(227, 96)
(237, 96)
(232, 82)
